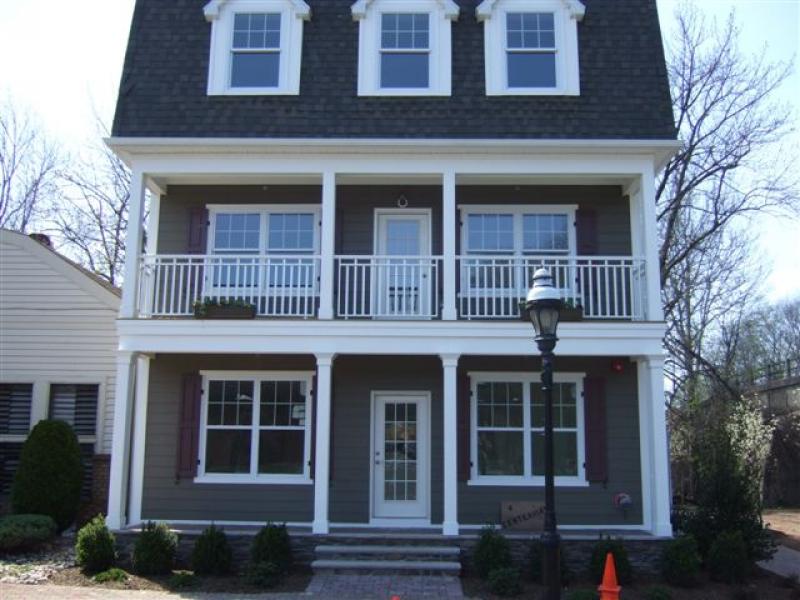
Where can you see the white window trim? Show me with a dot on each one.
(567, 13)
(368, 14)
(220, 13)
(526, 480)
(518, 210)
(253, 477)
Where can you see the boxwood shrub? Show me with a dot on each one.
(94, 547)
(272, 545)
(155, 549)
(491, 552)
(680, 562)
(212, 554)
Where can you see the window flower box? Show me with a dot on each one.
(224, 309)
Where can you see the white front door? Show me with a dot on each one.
(403, 273)
(400, 455)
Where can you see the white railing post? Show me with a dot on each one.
(449, 312)
(327, 245)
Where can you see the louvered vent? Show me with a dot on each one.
(15, 408)
(75, 404)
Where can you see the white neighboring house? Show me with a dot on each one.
(57, 354)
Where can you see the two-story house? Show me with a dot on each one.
(379, 180)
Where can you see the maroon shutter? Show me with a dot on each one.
(464, 461)
(313, 453)
(594, 392)
(198, 230)
(189, 426)
(586, 231)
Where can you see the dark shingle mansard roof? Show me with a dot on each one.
(624, 92)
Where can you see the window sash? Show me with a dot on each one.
(518, 215)
(254, 427)
(527, 430)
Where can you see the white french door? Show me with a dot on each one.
(403, 274)
(400, 455)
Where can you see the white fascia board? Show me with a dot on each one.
(369, 337)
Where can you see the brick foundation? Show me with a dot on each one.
(101, 467)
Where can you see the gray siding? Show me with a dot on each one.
(591, 505)
(354, 380)
(356, 204)
(612, 208)
(167, 499)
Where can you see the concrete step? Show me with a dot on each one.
(384, 551)
(386, 567)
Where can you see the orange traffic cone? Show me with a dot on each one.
(609, 590)
(395, 597)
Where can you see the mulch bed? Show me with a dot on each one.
(296, 581)
(762, 585)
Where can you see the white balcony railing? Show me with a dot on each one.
(278, 286)
(387, 287)
(608, 287)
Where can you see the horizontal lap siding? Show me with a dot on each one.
(355, 378)
(611, 207)
(54, 331)
(592, 505)
(165, 498)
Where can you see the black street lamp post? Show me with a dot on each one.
(543, 305)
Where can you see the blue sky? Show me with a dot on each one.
(62, 60)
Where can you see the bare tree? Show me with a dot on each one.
(29, 163)
(728, 170)
(92, 218)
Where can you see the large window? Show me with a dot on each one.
(508, 429)
(531, 46)
(404, 47)
(519, 230)
(256, 427)
(256, 46)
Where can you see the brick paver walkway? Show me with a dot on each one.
(328, 587)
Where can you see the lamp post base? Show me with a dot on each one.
(551, 567)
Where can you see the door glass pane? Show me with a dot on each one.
(400, 451)
(402, 237)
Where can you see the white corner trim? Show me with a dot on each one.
(213, 8)
(360, 8)
(576, 9)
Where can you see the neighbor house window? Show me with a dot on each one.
(256, 427)
(404, 46)
(508, 429)
(77, 405)
(15, 423)
(531, 46)
(256, 46)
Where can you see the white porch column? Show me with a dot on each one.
(323, 445)
(120, 443)
(133, 245)
(139, 436)
(153, 220)
(654, 446)
(327, 245)
(646, 198)
(450, 484)
(449, 312)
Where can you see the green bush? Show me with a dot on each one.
(582, 595)
(505, 581)
(181, 580)
(621, 562)
(536, 558)
(680, 562)
(272, 545)
(658, 592)
(727, 558)
(19, 533)
(155, 549)
(491, 552)
(94, 547)
(212, 554)
(112, 574)
(264, 574)
(49, 477)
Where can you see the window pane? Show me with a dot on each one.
(291, 232)
(76, 405)
(255, 69)
(565, 448)
(281, 451)
(283, 403)
(499, 404)
(544, 232)
(488, 232)
(237, 231)
(400, 70)
(532, 70)
(530, 30)
(15, 408)
(404, 31)
(230, 403)
(500, 453)
(227, 451)
(257, 30)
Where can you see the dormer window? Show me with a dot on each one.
(531, 46)
(404, 47)
(256, 46)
